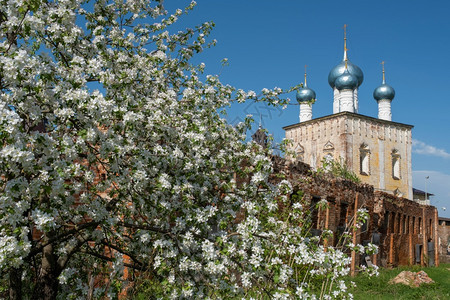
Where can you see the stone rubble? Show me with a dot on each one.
(412, 279)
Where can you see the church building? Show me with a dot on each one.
(378, 150)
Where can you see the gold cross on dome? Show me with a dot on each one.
(345, 40)
(305, 74)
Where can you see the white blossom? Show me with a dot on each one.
(115, 153)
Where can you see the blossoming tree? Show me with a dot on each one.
(115, 156)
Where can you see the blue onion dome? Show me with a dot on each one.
(346, 81)
(384, 91)
(340, 69)
(305, 94)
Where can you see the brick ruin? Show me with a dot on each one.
(444, 239)
(405, 231)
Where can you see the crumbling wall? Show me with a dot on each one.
(401, 225)
(444, 240)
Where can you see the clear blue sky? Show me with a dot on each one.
(269, 42)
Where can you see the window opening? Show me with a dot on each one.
(395, 164)
(314, 212)
(364, 160)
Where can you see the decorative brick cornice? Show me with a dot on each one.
(348, 115)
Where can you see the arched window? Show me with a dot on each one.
(395, 164)
(364, 159)
(313, 163)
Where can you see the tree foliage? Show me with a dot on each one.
(117, 162)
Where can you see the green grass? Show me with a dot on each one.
(367, 288)
(379, 288)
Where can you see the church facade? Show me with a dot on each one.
(378, 150)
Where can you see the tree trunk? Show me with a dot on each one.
(47, 284)
(15, 284)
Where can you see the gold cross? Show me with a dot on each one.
(305, 74)
(345, 37)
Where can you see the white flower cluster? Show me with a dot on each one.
(115, 154)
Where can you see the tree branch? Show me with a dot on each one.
(133, 258)
(106, 258)
(62, 237)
